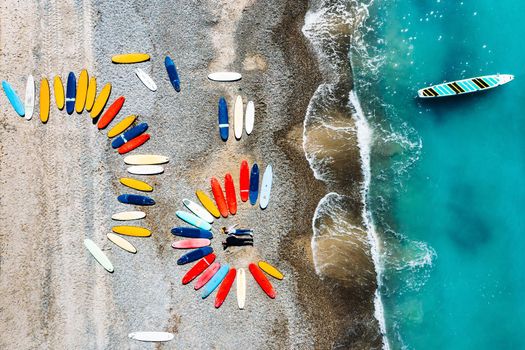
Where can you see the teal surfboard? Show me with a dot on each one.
(215, 281)
(13, 98)
(193, 220)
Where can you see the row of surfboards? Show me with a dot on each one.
(240, 118)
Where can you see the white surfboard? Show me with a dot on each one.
(146, 169)
(250, 117)
(98, 254)
(146, 159)
(121, 242)
(128, 215)
(146, 79)
(151, 336)
(198, 210)
(266, 187)
(238, 117)
(29, 104)
(241, 288)
(225, 76)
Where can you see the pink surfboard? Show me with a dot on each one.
(207, 275)
(191, 243)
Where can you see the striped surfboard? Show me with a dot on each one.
(465, 86)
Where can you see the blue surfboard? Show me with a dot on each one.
(224, 127)
(194, 255)
(191, 232)
(135, 199)
(172, 73)
(13, 99)
(254, 184)
(215, 281)
(129, 135)
(193, 220)
(71, 93)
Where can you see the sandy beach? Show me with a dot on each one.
(59, 181)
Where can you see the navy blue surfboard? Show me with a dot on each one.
(194, 255)
(135, 199)
(13, 98)
(71, 93)
(191, 232)
(172, 73)
(224, 127)
(254, 184)
(129, 135)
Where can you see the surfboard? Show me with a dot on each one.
(198, 268)
(82, 87)
(45, 102)
(121, 242)
(132, 144)
(193, 220)
(225, 76)
(111, 113)
(71, 92)
(250, 117)
(271, 270)
(238, 117)
(136, 184)
(146, 79)
(191, 243)
(146, 159)
(91, 93)
(135, 57)
(194, 255)
(254, 184)
(151, 336)
(224, 126)
(121, 126)
(58, 89)
(266, 187)
(191, 232)
(134, 231)
(207, 202)
(261, 279)
(207, 275)
(172, 73)
(128, 215)
(241, 288)
(198, 210)
(100, 101)
(129, 135)
(29, 104)
(99, 256)
(244, 181)
(224, 288)
(145, 169)
(135, 199)
(219, 197)
(214, 282)
(231, 198)
(13, 98)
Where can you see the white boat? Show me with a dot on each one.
(465, 86)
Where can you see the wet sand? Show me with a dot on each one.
(59, 181)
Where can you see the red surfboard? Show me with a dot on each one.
(111, 112)
(262, 280)
(231, 197)
(191, 243)
(219, 197)
(244, 181)
(225, 287)
(198, 268)
(207, 275)
(134, 143)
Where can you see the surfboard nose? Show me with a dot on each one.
(505, 78)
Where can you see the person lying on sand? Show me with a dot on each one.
(232, 241)
(236, 231)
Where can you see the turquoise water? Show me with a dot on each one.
(448, 175)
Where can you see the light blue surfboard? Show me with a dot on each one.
(13, 98)
(193, 220)
(214, 282)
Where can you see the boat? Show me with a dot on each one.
(465, 86)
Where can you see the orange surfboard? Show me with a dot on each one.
(244, 181)
(134, 143)
(219, 197)
(231, 198)
(111, 113)
(261, 279)
(225, 287)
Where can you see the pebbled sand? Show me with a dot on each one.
(59, 181)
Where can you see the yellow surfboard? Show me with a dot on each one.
(101, 101)
(58, 88)
(269, 269)
(44, 100)
(130, 58)
(134, 231)
(121, 126)
(208, 203)
(91, 93)
(136, 184)
(82, 86)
